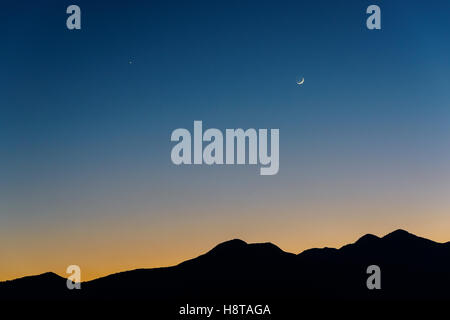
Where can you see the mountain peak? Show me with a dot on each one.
(405, 238)
(230, 245)
(399, 234)
(239, 249)
(367, 238)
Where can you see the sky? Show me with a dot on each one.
(86, 117)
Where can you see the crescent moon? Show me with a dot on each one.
(301, 81)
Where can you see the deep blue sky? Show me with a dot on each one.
(85, 135)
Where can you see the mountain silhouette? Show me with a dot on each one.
(412, 268)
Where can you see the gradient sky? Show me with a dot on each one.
(86, 176)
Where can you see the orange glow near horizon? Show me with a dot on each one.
(104, 248)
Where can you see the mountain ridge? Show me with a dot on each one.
(412, 268)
